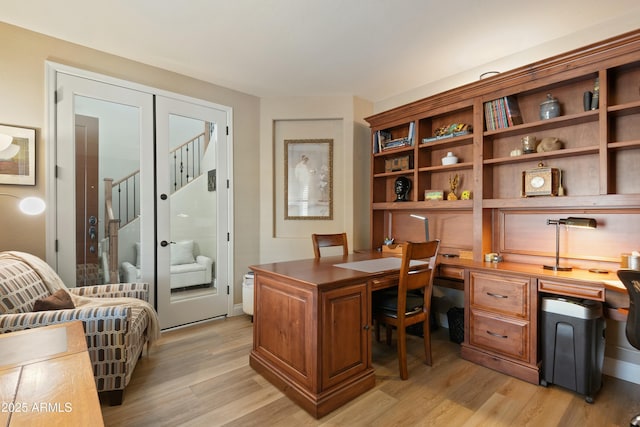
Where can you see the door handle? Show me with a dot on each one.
(164, 243)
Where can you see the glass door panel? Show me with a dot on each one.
(192, 250)
(102, 234)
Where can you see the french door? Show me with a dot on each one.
(153, 210)
(192, 210)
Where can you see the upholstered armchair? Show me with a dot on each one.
(116, 330)
(187, 267)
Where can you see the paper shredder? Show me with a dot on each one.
(573, 341)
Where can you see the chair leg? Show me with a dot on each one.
(402, 353)
(377, 331)
(115, 397)
(426, 327)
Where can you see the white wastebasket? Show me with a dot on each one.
(247, 294)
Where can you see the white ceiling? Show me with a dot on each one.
(374, 49)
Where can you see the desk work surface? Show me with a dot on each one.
(324, 271)
(377, 265)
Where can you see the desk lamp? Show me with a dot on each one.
(426, 225)
(29, 205)
(569, 222)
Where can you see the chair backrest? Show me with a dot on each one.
(631, 281)
(420, 276)
(327, 240)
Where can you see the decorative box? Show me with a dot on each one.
(401, 163)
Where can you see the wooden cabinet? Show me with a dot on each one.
(501, 314)
(311, 331)
(600, 148)
(345, 342)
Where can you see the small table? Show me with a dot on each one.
(46, 378)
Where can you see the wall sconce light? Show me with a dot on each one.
(426, 225)
(29, 205)
(569, 222)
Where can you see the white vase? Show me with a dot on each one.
(449, 159)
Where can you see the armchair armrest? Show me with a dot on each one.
(114, 290)
(129, 272)
(204, 260)
(112, 319)
(207, 263)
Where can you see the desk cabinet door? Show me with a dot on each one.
(345, 333)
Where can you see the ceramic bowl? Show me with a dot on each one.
(449, 159)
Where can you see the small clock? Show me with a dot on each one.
(541, 181)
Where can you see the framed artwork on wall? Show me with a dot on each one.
(308, 180)
(17, 155)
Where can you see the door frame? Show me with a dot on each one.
(51, 70)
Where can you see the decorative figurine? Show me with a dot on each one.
(402, 188)
(453, 185)
(466, 195)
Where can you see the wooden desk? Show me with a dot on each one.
(311, 327)
(501, 309)
(312, 320)
(46, 378)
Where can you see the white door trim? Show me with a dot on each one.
(51, 70)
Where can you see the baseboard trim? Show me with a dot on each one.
(621, 370)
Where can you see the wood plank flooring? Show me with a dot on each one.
(200, 376)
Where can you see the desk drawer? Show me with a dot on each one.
(450, 272)
(500, 294)
(508, 337)
(385, 282)
(572, 289)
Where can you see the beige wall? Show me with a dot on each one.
(297, 118)
(592, 34)
(22, 84)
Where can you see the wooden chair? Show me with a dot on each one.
(409, 303)
(327, 240)
(631, 281)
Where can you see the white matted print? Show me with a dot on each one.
(17, 155)
(308, 179)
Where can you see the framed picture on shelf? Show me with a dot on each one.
(308, 180)
(17, 155)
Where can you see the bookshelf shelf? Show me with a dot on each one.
(568, 152)
(597, 162)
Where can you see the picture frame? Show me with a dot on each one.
(17, 155)
(308, 180)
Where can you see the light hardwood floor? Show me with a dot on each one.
(200, 376)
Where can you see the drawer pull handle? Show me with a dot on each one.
(491, 294)
(493, 334)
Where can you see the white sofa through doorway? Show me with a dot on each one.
(187, 269)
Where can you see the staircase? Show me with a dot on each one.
(122, 197)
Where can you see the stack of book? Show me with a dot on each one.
(383, 139)
(502, 113)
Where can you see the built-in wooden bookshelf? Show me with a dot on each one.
(598, 161)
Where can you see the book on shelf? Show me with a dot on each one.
(383, 140)
(502, 113)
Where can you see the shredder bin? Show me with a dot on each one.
(573, 340)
